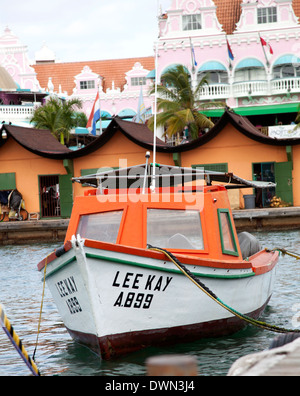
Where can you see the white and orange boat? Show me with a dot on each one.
(116, 295)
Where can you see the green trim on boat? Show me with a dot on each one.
(151, 267)
(60, 267)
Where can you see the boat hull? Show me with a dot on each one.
(116, 303)
(122, 344)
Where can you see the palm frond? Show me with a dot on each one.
(57, 116)
(179, 105)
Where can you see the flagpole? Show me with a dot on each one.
(153, 183)
(100, 107)
(263, 47)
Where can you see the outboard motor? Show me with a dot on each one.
(249, 244)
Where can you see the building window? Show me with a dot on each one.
(267, 15)
(286, 71)
(191, 22)
(50, 196)
(87, 84)
(256, 74)
(214, 77)
(222, 167)
(7, 181)
(136, 81)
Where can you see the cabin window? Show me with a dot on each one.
(226, 231)
(174, 229)
(102, 227)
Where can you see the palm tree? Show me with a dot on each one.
(80, 119)
(179, 104)
(57, 116)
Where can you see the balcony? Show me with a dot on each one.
(16, 114)
(215, 91)
(250, 88)
(285, 86)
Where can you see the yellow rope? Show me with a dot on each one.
(210, 294)
(41, 309)
(291, 254)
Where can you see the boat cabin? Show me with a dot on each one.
(193, 218)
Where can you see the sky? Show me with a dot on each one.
(84, 30)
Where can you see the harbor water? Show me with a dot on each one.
(21, 293)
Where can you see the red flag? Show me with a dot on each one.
(265, 44)
(230, 53)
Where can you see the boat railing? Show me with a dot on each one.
(139, 178)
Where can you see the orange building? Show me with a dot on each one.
(36, 164)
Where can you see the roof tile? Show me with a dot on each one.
(111, 70)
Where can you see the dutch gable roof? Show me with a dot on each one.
(114, 70)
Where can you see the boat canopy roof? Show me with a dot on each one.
(165, 176)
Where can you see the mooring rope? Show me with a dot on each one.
(286, 252)
(17, 343)
(213, 296)
(41, 309)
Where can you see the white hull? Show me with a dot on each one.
(116, 303)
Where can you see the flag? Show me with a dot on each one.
(95, 116)
(230, 53)
(140, 117)
(194, 57)
(194, 62)
(265, 44)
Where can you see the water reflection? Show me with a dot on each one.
(21, 293)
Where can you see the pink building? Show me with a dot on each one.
(20, 90)
(14, 58)
(258, 80)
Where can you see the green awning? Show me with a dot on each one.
(287, 60)
(127, 113)
(212, 66)
(257, 110)
(214, 112)
(81, 131)
(249, 63)
(271, 109)
(151, 75)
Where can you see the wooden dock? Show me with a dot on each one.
(268, 219)
(23, 232)
(279, 362)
